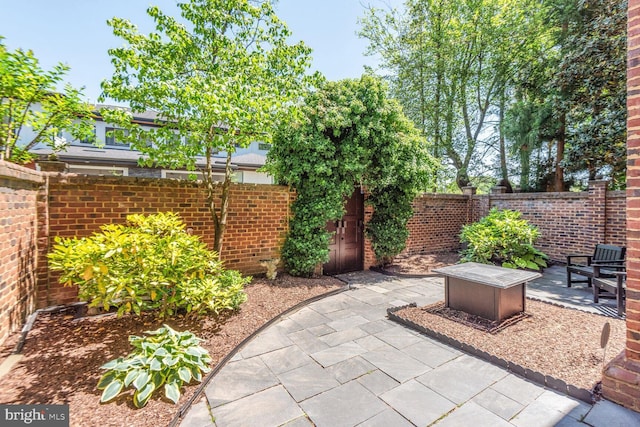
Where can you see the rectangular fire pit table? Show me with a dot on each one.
(494, 293)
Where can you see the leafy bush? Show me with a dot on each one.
(166, 357)
(502, 237)
(150, 263)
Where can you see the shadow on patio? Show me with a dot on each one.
(552, 287)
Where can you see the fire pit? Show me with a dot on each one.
(494, 293)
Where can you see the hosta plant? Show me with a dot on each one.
(164, 358)
(504, 238)
(149, 263)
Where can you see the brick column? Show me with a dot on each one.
(597, 210)
(621, 378)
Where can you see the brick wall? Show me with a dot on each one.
(621, 378)
(18, 256)
(436, 223)
(79, 205)
(568, 222)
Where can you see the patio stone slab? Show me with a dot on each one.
(374, 327)
(343, 336)
(333, 355)
(347, 405)
(270, 340)
(378, 382)
(370, 297)
(399, 337)
(239, 379)
(271, 407)
(308, 380)
(307, 341)
(348, 322)
(462, 378)
(387, 418)
(285, 359)
(371, 343)
(417, 403)
(472, 414)
(430, 353)
(518, 389)
(350, 369)
(560, 402)
(299, 422)
(396, 364)
(607, 413)
(309, 317)
(498, 403)
(198, 415)
(538, 414)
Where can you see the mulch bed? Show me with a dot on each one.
(62, 354)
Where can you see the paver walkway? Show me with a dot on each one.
(340, 362)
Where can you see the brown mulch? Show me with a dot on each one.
(421, 264)
(62, 355)
(561, 342)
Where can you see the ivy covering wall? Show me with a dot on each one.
(347, 133)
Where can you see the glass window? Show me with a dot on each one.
(110, 139)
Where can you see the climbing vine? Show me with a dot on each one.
(348, 133)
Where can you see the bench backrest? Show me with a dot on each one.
(608, 253)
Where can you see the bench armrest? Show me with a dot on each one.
(617, 267)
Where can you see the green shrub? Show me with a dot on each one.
(149, 263)
(502, 237)
(166, 357)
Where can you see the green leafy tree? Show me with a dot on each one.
(450, 64)
(591, 80)
(30, 101)
(349, 133)
(220, 78)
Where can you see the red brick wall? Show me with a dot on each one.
(18, 255)
(621, 378)
(78, 206)
(567, 221)
(436, 223)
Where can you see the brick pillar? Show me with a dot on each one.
(597, 210)
(621, 378)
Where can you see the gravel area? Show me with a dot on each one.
(561, 342)
(62, 355)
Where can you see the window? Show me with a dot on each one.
(99, 170)
(89, 141)
(264, 146)
(110, 139)
(218, 177)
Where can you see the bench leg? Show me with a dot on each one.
(596, 294)
(568, 278)
(620, 297)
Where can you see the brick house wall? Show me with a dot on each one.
(19, 189)
(621, 378)
(78, 205)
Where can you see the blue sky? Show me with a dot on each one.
(75, 32)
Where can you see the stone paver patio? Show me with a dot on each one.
(340, 362)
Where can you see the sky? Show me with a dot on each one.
(75, 32)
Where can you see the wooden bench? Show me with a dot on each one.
(602, 254)
(615, 286)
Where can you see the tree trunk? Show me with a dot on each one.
(559, 175)
(221, 224)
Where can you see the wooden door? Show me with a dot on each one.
(346, 246)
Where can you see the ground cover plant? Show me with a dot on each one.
(148, 263)
(502, 237)
(166, 357)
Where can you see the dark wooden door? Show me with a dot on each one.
(346, 246)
